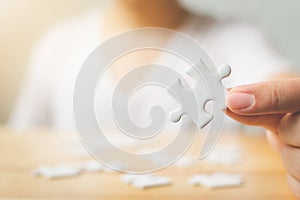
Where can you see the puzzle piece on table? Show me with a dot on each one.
(130, 178)
(152, 182)
(63, 170)
(60, 171)
(207, 86)
(216, 180)
(145, 181)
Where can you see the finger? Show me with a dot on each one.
(289, 129)
(274, 141)
(269, 122)
(290, 158)
(294, 185)
(265, 98)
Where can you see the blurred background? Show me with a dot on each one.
(23, 22)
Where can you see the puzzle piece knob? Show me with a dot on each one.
(224, 71)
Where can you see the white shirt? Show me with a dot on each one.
(46, 96)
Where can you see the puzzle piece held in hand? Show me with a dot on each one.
(207, 86)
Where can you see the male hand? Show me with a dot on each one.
(274, 105)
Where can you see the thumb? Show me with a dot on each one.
(282, 96)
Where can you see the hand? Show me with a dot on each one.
(274, 105)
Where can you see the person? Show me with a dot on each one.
(274, 105)
(46, 97)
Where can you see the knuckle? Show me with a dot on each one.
(275, 98)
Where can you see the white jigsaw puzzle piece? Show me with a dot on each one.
(216, 180)
(151, 182)
(145, 181)
(214, 80)
(130, 178)
(185, 96)
(60, 171)
(204, 79)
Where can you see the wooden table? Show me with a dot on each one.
(21, 153)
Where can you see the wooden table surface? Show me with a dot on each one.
(21, 153)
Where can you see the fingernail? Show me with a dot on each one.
(236, 100)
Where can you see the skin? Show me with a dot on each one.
(124, 15)
(274, 105)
